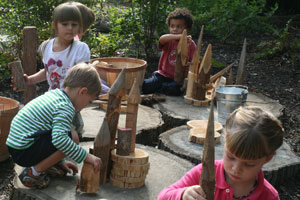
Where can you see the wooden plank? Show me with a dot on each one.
(29, 59)
(18, 76)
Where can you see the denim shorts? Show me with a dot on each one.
(41, 149)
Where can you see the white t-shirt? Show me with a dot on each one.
(58, 63)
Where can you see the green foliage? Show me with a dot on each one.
(231, 18)
(287, 41)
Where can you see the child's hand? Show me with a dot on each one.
(194, 192)
(70, 167)
(95, 161)
(189, 39)
(28, 80)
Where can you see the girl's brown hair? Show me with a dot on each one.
(252, 133)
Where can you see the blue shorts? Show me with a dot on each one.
(41, 149)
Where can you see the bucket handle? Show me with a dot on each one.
(236, 86)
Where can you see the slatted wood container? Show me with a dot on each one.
(110, 67)
(8, 109)
(129, 171)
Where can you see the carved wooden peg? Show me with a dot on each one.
(241, 69)
(124, 141)
(207, 179)
(133, 100)
(18, 75)
(102, 149)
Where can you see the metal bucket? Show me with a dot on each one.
(8, 109)
(229, 98)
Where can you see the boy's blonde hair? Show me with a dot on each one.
(251, 133)
(87, 15)
(66, 12)
(83, 75)
(181, 13)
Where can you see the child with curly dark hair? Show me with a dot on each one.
(162, 81)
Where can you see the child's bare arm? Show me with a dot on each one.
(35, 78)
(168, 37)
(193, 192)
(95, 161)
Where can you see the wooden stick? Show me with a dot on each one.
(196, 59)
(29, 59)
(181, 59)
(207, 179)
(89, 179)
(18, 75)
(102, 149)
(124, 141)
(241, 68)
(133, 100)
(200, 84)
(220, 73)
(230, 78)
(116, 92)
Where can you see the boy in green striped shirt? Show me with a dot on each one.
(40, 136)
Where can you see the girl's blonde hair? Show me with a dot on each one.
(252, 133)
(83, 75)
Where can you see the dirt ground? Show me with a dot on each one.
(276, 77)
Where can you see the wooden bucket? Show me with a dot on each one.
(8, 109)
(129, 171)
(135, 68)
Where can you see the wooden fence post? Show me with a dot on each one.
(29, 59)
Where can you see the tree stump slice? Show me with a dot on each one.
(165, 170)
(138, 157)
(176, 142)
(148, 118)
(197, 135)
(203, 124)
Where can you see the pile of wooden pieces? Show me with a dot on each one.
(115, 156)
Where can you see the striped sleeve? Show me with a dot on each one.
(61, 126)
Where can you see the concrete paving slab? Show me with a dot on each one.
(176, 141)
(92, 115)
(178, 108)
(165, 169)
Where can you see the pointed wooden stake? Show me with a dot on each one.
(207, 179)
(194, 65)
(102, 149)
(230, 78)
(181, 59)
(200, 84)
(116, 92)
(220, 73)
(133, 100)
(241, 68)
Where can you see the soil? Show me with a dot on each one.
(276, 77)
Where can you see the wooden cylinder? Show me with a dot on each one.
(89, 179)
(29, 59)
(18, 75)
(129, 171)
(190, 84)
(124, 141)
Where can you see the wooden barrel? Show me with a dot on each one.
(8, 109)
(110, 67)
(129, 171)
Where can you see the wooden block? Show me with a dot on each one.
(197, 135)
(138, 157)
(203, 124)
(128, 179)
(128, 173)
(132, 167)
(124, 141)
(89, 179)
(18, 75)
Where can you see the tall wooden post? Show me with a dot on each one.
(102, 149)
(133, 101)
(200, 83)
(181, 59)
(194, 66)
(207, 179)
(241, 69)
(116, 92)
(29, 59)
